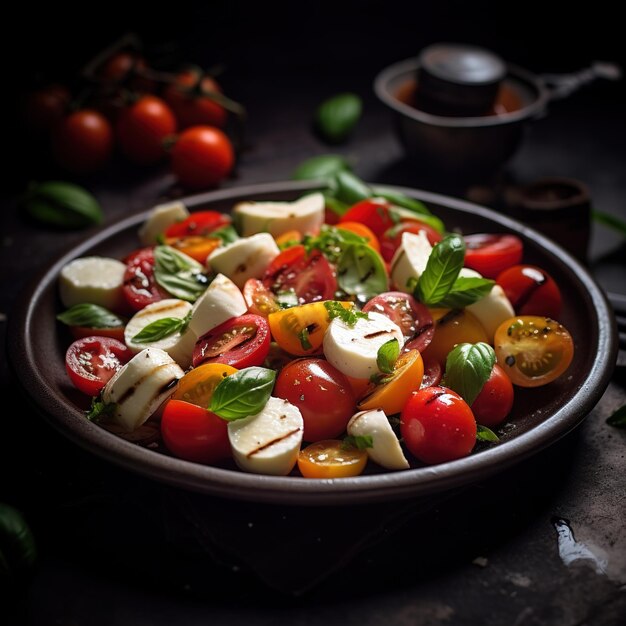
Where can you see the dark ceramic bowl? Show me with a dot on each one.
(541, 416)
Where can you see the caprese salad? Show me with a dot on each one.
(311, 335)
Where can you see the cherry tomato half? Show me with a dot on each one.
(321, 392)
(140, 287)
(197, 248)
(142, 129)
(331, 459)
(533, 350)
(438, 426)
(199, 223)
(531, 290)
(413, 318)
(197, 385)
(192, 433)
(259, 299)
(202, 157)
(92, 361)
(495, 400)
(392, 237)
(491, 254)
(242, 341)
(310, 276)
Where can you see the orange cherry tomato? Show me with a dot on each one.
(533, 350)
(288, 237)
(362, 231)
(300, 330)
(196, 247)
(331, 459)
(392, 395)
(197, 385)
(453, 326)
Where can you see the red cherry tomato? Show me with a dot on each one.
(240, 342)
(192, 433)
(392, 238)
(321, 392)
(190, 105)
(310, 276)
(259, 299)
(432, 373)
(531, 290)
(495, 400)
(140, 287)
(45, 107)
(126, 66)
(202, 157)
(413, 318)
(491, 254)
(83, 141)
(142, 129)
(374, 213)
(200, 224)
(437, 425)
(92, 361)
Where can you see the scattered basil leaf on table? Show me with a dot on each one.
(609, 220)
(162, 328)
(90, 316)
(61, 204)
(336, 117)
(243, 393)
(387, 356)
(361, 271)
(321, 167)
(18, 551)
(180, 275)
(360, 442)
(618, 419)
(349, 316)
(468, 368)
(486, 434)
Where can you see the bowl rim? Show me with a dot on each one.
(69, 420)
(408, 67)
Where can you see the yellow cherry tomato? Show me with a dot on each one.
(300, 329)
(330, 458)
(533, 350)
(195, 246)
(197, 385)
(453, 326)
(393, 393)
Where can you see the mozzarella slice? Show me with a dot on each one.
(268, 442)
(221, 301)
(161, 216)
(245, 258)
(141, 386)
(353, 349)
(93, 279)
(386, 449)
(410, 259)
(178, 346)
(305, 215)
(492, 309)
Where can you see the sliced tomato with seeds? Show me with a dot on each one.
(413, 317)
(140, 287)
(200, 223)
(310, 276)
(490, 254)
(240, 342)
(92, 361)
(259, 299)
(392, 238)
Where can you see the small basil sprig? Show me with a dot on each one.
(440, 284)
(468, 368)
(332, 241)
(387, 356)
(337, 116)
(361, 272)
(486, 434)
(90, 316)
(321, 167)
(349, 316)
(180, 275)
(618, 419)
(243, 393)
(162, 328)
(227, 234)
(360, 442)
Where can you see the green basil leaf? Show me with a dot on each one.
(360, 442)
(243, 393)
(336, 206)
(332, 241)
(361, 271)
(399, 199)
(387, 356)
(18, 551)
(443, 267)
(90, 316)
(486, 434)
(227, 234)
(618, 419)
(100, 409)
(303, 336)
(466, 291)
(400, 216)
(159, 329)
(349, 316)
(321, 167)
(349, 189)
(468, 368)
(180, 275)
(337, 116)
(62, 204)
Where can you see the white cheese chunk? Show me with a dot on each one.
(93, 279)
(161, 216)
(410, 259)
